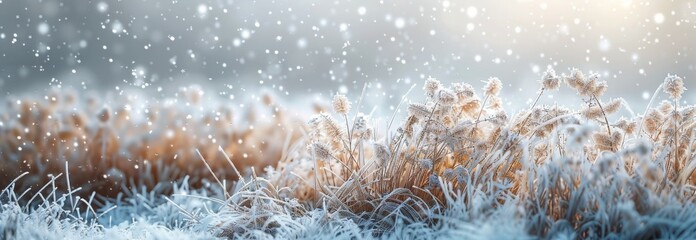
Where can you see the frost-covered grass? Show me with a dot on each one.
(122, 141)
(458, 166)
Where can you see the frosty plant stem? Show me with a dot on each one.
(604, 114)
(350, 140)
(478, 117)
(227, 195)
(428, 122)
(541, 92)
(675, 134)
(647, 108)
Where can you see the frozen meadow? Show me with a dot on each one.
(457, 165)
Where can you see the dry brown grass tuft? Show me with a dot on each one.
(554, 161)
(130, 144)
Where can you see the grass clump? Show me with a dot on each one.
(119, 142)
(571, 172)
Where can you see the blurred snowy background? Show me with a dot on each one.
(303, 48)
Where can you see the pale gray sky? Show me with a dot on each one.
(319, 47)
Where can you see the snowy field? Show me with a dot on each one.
(347, 120)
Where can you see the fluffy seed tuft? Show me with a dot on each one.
(320, 151)
(463, 91)
(341, 104)
(493, 86)
(431, 86)
(382, 152)
(445, 97)
(550, 80)
(674, 86)
(425, 164)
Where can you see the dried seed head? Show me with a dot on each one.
(592, 112)
(500, 118)
(461, 129)
(494, 135)
(627, 126)
(313, 127)
(666, 107)
(431, 86)
(596, 111)
(493, 86)
(418, 110)
(360, 123)
(603, 141)
(631, 128)
(320, 151)
(576, 79)
(600, 88)
(448, 174)
(463, 91)
(688, 112)
(445, 97)
(382, 152)
(674, 86)
(330, 127)
(471, 108)
(616, 137)
(433, 181)
(425, 164)
(495, 102)
(434, 126)
(448, 122)
(613, 105)
(653, 120)
(461, 174)
(538, 113)
(314, 122)
(550, 80)
(408, 125)
(588, 87)
(341, 104)
(367, 135)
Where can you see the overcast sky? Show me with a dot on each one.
(302, 47)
